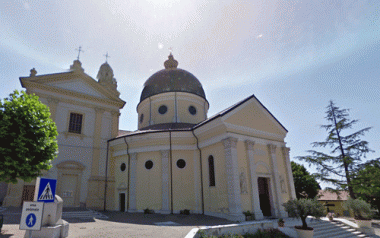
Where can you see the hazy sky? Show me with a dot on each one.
(293, 55)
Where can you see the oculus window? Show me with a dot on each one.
(149, 164)
(181, 163)
(192, 110)
(123, 167)
(75, 124)
(162, 109)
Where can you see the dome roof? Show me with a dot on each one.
(172, 79)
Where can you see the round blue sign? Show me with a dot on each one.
(31, 220)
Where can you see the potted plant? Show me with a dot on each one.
(249, 216)
(362, 211)
(281, 222)
(301, 208)
(330, 216)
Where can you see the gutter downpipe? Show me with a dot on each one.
(171, 172)
(105, 185)
(129, 172)
(201, 169)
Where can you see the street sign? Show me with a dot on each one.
(45, 190)
(31, 216)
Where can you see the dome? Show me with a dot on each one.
(172, 79)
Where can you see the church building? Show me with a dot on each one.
(178, 159)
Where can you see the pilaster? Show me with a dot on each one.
(232, 170)
(254, 185)
(279, 210)
(115, 123)
(53, 103)
(289, 171)
(133, 183)
(96, 142)
(165, 182)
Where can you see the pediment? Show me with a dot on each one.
(251, 117)
(78, 86)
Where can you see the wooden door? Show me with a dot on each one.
(27, 193)
(69, 191)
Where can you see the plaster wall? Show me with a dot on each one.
(215, 197)
(148, 184)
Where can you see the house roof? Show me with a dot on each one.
(325, 195)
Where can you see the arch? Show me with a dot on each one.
(262, 168)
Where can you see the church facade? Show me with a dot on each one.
(178, 160)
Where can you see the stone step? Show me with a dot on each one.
(336, 229)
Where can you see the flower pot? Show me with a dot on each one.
(364, 223)
(304, 233)
(281, 224)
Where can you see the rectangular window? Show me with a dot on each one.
(75, 125)
(211, 171)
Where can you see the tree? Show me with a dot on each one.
(27, 137)
(301, 208)
(304, 182)
(366, 182)
(347, 149)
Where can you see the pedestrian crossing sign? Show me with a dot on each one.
(46, 190)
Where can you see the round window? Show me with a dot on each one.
(181, 163)
(141, 118)
(123, 167)
(192, 110)
(162, 109)
(149, 164)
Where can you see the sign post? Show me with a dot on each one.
(31, 216)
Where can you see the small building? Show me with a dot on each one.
(334, 202)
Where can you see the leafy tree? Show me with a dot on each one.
(305, 184)
(301, 208)
(346, 149)
(366, 182)
(27, 137)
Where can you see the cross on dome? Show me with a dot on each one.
(107, 56)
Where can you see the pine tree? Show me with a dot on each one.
(346, 153)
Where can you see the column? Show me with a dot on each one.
(165, 182)
(233, 185)
(254, 186)
(279, 209)
(132, 183)
(289, 171)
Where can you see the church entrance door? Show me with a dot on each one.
(122, 202)
(264, 196)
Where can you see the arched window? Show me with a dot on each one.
(211, 171)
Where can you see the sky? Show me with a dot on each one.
(294, 56)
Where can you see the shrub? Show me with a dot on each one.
(360, 208)
(301, 208)
(148, 211)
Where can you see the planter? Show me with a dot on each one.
(304, 233)
(364, 223)
(250, 218)
(281, 224)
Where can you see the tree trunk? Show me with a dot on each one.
(345, 164)
(304, 225)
